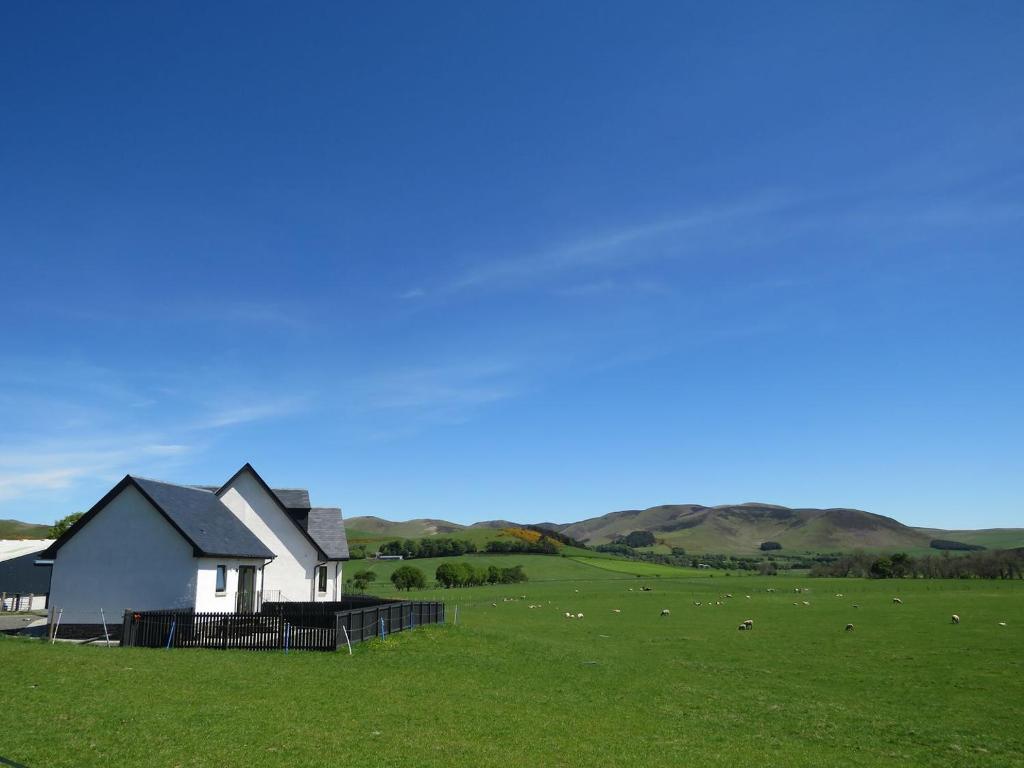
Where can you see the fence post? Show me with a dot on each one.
(287, 635)
(170, 635)
(105, 633)
(57, 627)
(347, 641)
(381, 627)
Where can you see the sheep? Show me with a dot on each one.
(897, 601)
(742, 627)
(747, 596)
(494, 605)
(579, 615)
(806, 603)
(1002, 623)
(849, 627)
(855, 605)
(697, 603)
(568, 615)
(749, 623)
(955, 619)
(838, 595)
(729, 595)
(665, 612)
(616, 610)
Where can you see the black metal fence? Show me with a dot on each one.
(289, 626)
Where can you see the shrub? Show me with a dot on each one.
(769, 545)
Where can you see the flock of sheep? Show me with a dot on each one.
(747, 624)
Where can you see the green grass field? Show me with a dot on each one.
(518, 686)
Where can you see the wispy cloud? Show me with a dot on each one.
(447, 394)
(69, 424)
(234, 414)
(663, 239)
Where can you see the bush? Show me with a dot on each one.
(769, 545)
(407, 577)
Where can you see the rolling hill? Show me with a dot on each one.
(726, 529)
(15, 529)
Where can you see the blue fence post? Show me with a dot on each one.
(170, 635)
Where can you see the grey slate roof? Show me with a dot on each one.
(327, 529)
(293, 498)
(204, 520)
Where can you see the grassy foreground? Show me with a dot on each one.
(514, 685)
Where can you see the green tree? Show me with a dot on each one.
(407, 577)
(58, 528)
(363, 579)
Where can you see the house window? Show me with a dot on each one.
(321, 578)
(222, 578)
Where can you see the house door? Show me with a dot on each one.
(246, 589)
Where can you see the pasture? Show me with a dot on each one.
(513, 685)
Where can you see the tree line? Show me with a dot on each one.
(430, 546)
(987, 564)
(468, 575)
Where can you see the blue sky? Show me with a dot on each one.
(513, 260)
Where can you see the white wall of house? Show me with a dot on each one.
(292, 572)
(207, 598)
(127, 557)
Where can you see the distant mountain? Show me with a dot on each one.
(15, 529)
(743, 527)
(726, 529)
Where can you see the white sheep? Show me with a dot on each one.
(665, 611)
(742, 627)
(955, 619)
(1002, 623)
(749, 623)
(616, 610)
(897, 601)
(849, 627)
(579, 615)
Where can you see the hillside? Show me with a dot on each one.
(378, 527)
(741, 528)
(15, 529)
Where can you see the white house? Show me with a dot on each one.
(150, 545)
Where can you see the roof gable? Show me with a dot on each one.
(248, 468)
(197, 515)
